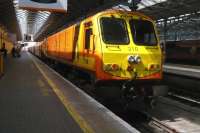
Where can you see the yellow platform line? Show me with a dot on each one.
(85, 127)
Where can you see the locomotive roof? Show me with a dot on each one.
(109, 11)
(112, 11)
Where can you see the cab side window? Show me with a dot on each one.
(88, 33)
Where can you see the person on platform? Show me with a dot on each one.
(13, 52)
(4, 50)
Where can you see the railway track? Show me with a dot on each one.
(146, 123)
(183, 80)
(158, 126)
(183, 83)
(185, 100)
(189, 94)
(168, 117)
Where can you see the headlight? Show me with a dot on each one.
(134, 59)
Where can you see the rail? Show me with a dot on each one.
(163, 127)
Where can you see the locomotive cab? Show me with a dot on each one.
(130, 47)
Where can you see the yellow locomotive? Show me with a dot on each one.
(112, 45)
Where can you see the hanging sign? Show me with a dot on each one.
(44, 5)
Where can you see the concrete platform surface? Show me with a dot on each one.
(27, 102)
(36, 99)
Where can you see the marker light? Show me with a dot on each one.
(129, 68)
(111, 67)
(153, 67)
(115, 67)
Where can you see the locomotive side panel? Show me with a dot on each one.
(62, 45)
(57, 45)
(69, 35)
(51, 43)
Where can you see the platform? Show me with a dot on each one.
(182, 70)
(36, 99)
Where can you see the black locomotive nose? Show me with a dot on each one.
(45, 1)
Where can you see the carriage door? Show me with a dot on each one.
(88, 44)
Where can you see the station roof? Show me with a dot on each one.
(170, 8)
(50, 22)
(157, 9)
(76, 10)
(8, 17)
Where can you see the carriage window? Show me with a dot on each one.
(88, 33)
(114, 31)
(143, 32)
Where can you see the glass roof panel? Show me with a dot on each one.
(30, 22)
(148, 3)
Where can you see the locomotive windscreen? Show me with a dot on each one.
(114, 31)
(143, 32)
